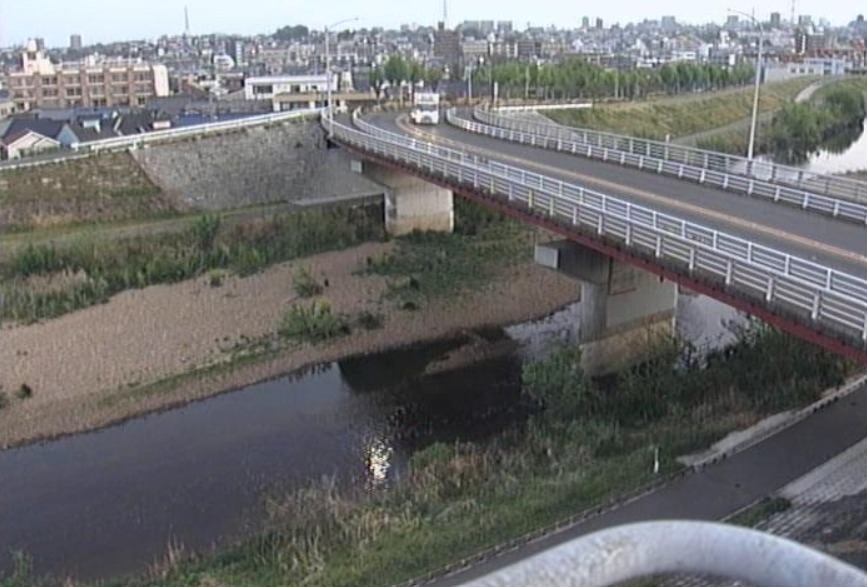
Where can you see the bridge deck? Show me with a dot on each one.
(819, 238)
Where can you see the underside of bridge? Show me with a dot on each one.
(624, 311)
(779, 317)
(411, 203)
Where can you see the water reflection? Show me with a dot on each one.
(379, 456)
(108, 502)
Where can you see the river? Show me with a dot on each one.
(849, 154)
(110, 502)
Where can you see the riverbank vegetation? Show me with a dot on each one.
(43, 281)
(798, 130)
(832, 122)
(681, 116)
(588, 442)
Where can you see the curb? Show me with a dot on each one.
(830, 396)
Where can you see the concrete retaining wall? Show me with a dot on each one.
(289, 162)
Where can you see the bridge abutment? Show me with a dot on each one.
(624, 311)
(411, 203)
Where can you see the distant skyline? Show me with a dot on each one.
(98, 21)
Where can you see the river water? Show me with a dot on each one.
(110, 502)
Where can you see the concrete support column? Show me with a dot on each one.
(624, 311)
(412, 203)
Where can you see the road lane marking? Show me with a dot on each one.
(401, 122)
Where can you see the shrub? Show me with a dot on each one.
(205, 232)
(24, 392)
(215, 277)
(315, 323)
(305, 285)
(369, 320)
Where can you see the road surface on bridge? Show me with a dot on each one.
(837, 244)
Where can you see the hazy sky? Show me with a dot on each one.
(106, 20)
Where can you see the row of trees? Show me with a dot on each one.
(576, 78)
(397, 71)
(570, 79)
(800, 129)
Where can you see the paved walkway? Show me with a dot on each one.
(727, 486)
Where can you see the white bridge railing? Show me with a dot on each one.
(133, 141)
(80, 150)
(674, 155)
(831, 300)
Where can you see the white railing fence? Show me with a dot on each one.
(828, 185)
(80, 150)
(706, 169)
(830, 300)
(138, 140)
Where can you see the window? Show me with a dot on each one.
(96, 78)
(50, 92)
(141, 101)
(71, 80)
(49, 80)
(118, 77)
(73, 92)
(263, 89)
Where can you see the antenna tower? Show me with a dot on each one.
(186, 21)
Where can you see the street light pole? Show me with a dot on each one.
(328, 105)
(755, 114)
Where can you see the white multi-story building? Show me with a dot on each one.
(39, 83)
(267, 87)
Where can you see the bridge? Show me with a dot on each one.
(784, 246)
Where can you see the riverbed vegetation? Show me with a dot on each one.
(430, 265)
(43, 281)
(680, 116)
(590, 441)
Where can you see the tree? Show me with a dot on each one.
(396, 70)
(377, 79)
(292, 33)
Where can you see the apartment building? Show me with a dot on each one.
(39, 83)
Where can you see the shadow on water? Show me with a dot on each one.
(843, 151)
(109, 502)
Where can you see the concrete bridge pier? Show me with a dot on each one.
(410, 203)
(624, 311)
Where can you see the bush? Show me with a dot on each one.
(205, 232)
(24, 392)
(215, 277)
(369, 320)
(315, 323)
(305, 285)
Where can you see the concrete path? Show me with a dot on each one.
(723, 488)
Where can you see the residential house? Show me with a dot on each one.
(22, 137)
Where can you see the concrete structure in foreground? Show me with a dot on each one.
(623, 309)
(410, 203)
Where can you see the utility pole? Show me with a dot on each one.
(329, 108)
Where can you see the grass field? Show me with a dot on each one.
(682, 115)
